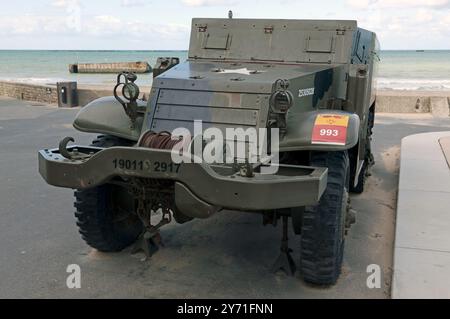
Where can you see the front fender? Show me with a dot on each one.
(300, 128)
(107, 116)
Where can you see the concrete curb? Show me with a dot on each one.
(422, 236)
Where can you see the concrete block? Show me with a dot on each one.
(391, 103)
(421, 274)
(423, 220)
(424, 175)
(420, 147)
(439, 106)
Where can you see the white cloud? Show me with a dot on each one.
(208, 3)
(424, 15)
(412, 3)
(32, 25)
(360, 4)
(404, 23)
(133, 3)
(446, 19)
(411, 29)
(103, 25)
(65, 3)
(106, 25)
(365, 4)
(100, 26)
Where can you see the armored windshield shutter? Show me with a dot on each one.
(217, 41)
(319, 44)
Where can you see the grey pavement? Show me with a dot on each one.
(227, 256)
(422, 241)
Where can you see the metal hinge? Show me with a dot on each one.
(268, 30)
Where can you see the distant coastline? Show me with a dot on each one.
(416, 70)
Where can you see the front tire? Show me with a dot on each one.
(105, 214)
(323, 227)
(104, 223)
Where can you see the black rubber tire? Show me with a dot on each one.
(323, 229)
(101, 212)
(96, 214)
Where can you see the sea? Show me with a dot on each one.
(399, 70)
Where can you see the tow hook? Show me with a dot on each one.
(74, 155)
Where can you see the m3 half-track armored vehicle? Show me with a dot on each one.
(312, 80)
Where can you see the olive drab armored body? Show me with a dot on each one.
(305, 88)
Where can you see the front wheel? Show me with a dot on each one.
(106, 219)
(323, 227)
(105, 214)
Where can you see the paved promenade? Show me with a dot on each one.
(422, 244)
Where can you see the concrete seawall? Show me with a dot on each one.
(48, 93)
(437, 103)
(29, 92)
(88, 95)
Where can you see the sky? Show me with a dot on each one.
(165, 25)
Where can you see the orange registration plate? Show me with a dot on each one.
(330, 129)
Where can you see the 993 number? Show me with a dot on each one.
(329, 132)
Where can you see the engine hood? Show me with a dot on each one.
(234, 77)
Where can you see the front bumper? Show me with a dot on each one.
(216, 185)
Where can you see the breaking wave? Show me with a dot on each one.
(414, 84)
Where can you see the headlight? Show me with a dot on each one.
(130, 91)
(282, 99)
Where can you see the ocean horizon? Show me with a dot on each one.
(399, 69)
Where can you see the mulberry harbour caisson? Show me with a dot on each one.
(308, 83)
